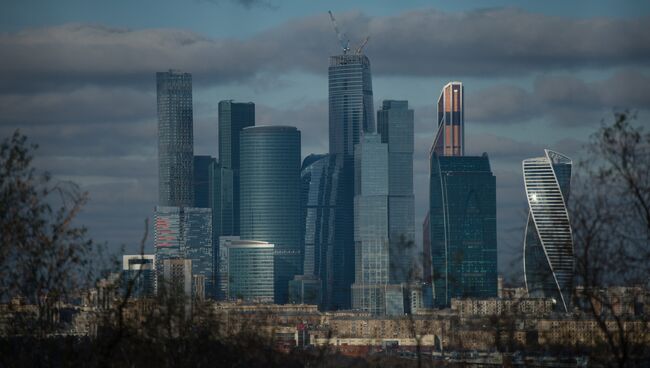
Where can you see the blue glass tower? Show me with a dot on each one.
(548, 244)
(462, 217)
(175, 139)
(351, 113)
(371, 233)
(270, 197)
(233, 117)
(201, 181)
(395, 124)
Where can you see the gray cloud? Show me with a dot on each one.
(420, 43)
(561, 98)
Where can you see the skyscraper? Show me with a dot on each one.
(247, 269)
(185, 233)
(548, 244)
(395, 124)
(233, 117)
(201, 181)
(270, 197)
(371, 231)
(350, 102)
(175, 139)
(351, 113)
(450, 135)
(462, 216)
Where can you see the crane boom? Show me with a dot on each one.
(345, 45)
(363, 44)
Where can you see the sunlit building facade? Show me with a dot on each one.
(548, 242)
(450, 134)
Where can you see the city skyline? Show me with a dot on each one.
(112, 163)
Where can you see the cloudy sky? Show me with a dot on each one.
(78, 77)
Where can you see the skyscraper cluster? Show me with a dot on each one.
(338, 229)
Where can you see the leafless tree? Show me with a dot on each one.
(610, 213)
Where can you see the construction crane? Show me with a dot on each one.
(363, 44)
(345, 44)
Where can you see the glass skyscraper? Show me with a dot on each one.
(175, 139)
(395, 124)
(450, 135)
(270, 197)
(186, 233)
(351, 113)
(351, 109)
(247, 270)
(371, 232)
(463, 236)
(202, 181)
(548, 244)
(233, 117)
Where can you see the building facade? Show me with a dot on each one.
(175, 139)
(395, 125)
(233, 117)
(371, 232)
(462, 217)
(548, 243)
(138, 271)
(201, 181)
(450, 134)
(185, 233)
(270, 198)
(351, 113)
(247, 270)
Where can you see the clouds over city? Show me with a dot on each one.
(86, 92)
(426, 42)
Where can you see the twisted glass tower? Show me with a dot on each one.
(548, 243)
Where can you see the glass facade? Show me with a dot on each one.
(175, 139)
(247, 269)
(186, 233)
(233, 117)
(351, 113)
(202, 181)
(197, 245)
(548, 244)
(371, 225)
(395, 124)
(270, 198)
(450, 134)
(139, 269)
(462, 217)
